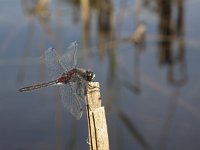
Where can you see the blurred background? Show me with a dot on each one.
(145, 54)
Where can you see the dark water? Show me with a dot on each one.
(150, 88)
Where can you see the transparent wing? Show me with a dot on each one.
(79, 87)
(52, 62)
(71, 100)
(69, 58)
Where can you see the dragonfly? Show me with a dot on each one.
(72, 81)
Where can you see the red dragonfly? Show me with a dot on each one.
(72, 80)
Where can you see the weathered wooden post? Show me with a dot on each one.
(97, 127)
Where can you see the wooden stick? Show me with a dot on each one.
(97, 127)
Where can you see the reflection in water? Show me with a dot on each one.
(133, 130)
(107, 47)
(112, 77)
(39, 10)
(105, 9)
(34, 9)
(169, 54)
(138, 40)
(179, 57)
(173, 56)
(171, 112)
(85, 15)
(105, 30)
(164, 44)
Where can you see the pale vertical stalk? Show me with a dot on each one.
(97, 127)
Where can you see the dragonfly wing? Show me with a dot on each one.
(52, 62)
(79, 88)
(69, 58)
(71, 100)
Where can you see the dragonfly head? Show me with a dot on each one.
(89, 75)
